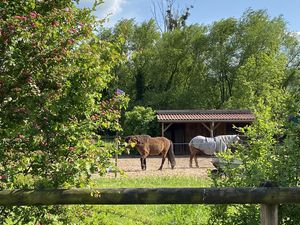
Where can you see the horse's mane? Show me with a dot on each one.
(227, 138)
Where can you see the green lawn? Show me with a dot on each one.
(142, 214)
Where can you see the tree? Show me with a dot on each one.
(140, 120)
(53, 71)
(177, 70)
(222, 57)
(171, 17)
(138, 42)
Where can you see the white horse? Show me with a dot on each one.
(210, 146)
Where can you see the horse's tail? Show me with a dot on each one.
(171, 155)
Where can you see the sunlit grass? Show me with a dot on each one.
(143, 214)
(152, 182)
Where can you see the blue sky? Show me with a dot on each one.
(204, 11)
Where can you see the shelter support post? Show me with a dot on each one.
(211, 127)
(164, 129)
(211, 130)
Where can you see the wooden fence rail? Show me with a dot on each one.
(121, 196)
(268, 197)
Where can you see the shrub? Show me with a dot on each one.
(140, 120)
(53, 70)
(264, 158)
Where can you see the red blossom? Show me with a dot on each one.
(71, 41)
(95, 117)
(21, 136)
(55, 23)
(72, 31)
(33, 15)
(64, 51)
(3, 177)
(33, 25)
(23, 18)
(11, 27)
(17, 89)
(29, 79)
(44, 143)
(20, 110)
(36, 126)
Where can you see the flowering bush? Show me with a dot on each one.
(53, 70)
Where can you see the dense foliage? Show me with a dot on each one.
(271, 154)
(252, 63)
(140, 120)
(203, 66)
(53, 71)
(272, 142)
(57, 93)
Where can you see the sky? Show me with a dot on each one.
(203, 11)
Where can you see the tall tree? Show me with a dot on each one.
(138, 49)
(167, 15)
(222, 57)
(200, 66)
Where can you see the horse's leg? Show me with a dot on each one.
(143, 162)
(196, 160)
(194, 155)
(191, 159)
(164, 155)
(144, 155)
(193, 152)
(142, 165)
(162, 163)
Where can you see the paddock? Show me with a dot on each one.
(132, 167)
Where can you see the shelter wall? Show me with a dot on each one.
(182, 133)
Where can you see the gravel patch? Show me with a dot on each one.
(132, 167)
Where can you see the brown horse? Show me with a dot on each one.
(209, 146)
(147, 145)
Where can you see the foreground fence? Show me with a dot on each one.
(268, 197)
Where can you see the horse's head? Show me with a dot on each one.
(130, 142)
(131, 139)
(237, 138)
(234, 141)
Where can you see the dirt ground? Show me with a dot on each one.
(132, 167)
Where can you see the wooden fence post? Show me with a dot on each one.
(268, 212)
(116, 155)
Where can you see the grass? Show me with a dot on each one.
(151, 182)
(142, 214)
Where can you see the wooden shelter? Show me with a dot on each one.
(182, 125)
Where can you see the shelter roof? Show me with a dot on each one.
(186, 116)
